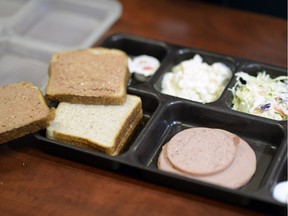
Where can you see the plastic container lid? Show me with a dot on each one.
(32, 30)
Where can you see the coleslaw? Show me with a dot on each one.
(261, 95)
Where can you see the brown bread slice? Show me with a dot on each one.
(89, 76)
(23, 111)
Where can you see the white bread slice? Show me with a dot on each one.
(105, 128)
(23, 110)
(88, 76)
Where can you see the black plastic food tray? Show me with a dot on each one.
(165, 115)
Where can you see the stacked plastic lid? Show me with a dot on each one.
(32, 30)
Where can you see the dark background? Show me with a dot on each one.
(277, 8)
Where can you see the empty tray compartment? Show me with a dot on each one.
(19, 62)
(66, 24)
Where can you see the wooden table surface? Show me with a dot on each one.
(33, 182)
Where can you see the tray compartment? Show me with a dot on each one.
(19, 62)
(177, 116)
(183, 54)
(280, 176)
(150, 104)
(135, 46)
(252, 69)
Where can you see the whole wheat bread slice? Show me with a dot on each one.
(88, 76)
(105, 128)
(23, 111)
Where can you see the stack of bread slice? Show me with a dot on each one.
(94, 109)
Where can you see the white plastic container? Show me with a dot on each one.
(19, 62)
(32, 30)
(9, 8)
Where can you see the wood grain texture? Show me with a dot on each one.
(33, 182)
(208, 27)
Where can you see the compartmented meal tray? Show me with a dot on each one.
(166, 115)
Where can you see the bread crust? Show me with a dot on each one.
(122, 136)
(88, 76)
(14, 122)
(27, 129)
(120, 143)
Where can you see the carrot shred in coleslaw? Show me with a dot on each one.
(261, 95)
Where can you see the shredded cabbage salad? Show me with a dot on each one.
(261, 95)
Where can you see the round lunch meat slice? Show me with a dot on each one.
(165, 165)
(201, 151)
(236, 175)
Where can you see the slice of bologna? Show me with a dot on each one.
(201, 151)
(236, 175)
